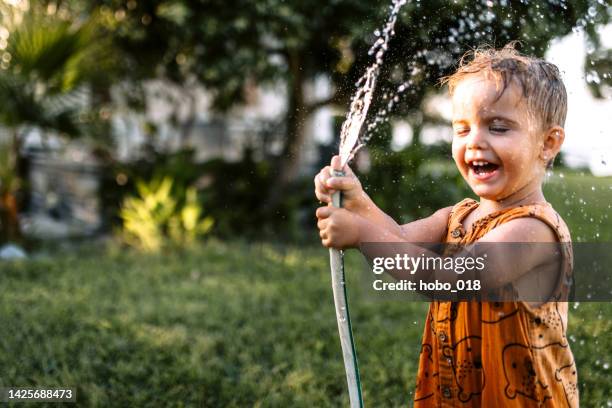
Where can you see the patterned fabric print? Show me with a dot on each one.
(498, 354)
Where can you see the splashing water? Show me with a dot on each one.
(360, 103)
(473, 24)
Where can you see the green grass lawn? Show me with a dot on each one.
(233, 324)
(584, 202)
(228, 324)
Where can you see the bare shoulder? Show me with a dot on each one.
(512, 262)
(442, 214)
(526, 229)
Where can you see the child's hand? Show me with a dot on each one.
(353, 196)
(339, 228)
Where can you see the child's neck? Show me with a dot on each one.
(516, 199)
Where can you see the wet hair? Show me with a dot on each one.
(540, 81)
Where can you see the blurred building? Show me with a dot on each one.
(183, 117)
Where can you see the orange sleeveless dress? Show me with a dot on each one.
(498, 354)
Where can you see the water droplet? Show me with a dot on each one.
(592, 11)
(593, 77)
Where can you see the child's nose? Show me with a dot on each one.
(477, 138)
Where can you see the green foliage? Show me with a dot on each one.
(233, 192)
(225, 325)
(190, 222)
(52, 65)
(50, 75)
(230, 49)
(414, 182)
(155, 216)
(599, 77)
(261, 41)
(236, 193)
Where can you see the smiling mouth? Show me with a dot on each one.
(483, 168)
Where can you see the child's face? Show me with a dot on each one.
(495, 143)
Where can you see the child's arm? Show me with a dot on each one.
(355, 200)
(509, 251)
(340, 228)
(430, 229)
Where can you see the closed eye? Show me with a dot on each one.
(462, 131)
(496, 129)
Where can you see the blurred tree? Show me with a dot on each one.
(599, 72)
(50, 69)
(228, 46)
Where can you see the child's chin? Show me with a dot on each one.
(486, 192)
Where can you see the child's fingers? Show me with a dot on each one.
(325, 212)
(327, 243)
(336, 164)
(326, 239)
(321, 178)
(319, 182)
(323, 198)
(322, 225)
(320, 189)
(324, 174)
(322, 192)
(341, 183)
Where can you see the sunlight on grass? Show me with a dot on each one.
(226, 324)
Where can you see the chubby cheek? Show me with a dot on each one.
(459, 156)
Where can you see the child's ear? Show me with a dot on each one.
(553, 139)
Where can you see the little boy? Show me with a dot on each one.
(508, 117)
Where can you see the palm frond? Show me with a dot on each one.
(52, 68)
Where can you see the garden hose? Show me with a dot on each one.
(345, 331)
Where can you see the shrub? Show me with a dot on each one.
(156, 217)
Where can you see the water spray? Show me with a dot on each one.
(350, 143)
